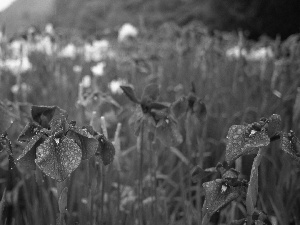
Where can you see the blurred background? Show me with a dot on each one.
(90, 17)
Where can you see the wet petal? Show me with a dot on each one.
(242, 140)
(44, 114)
(58, 158)
(218, 195)
(85, 140)
(30, 130)
(26, 159)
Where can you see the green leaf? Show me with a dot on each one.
(252, 191)
(30, 130)
(6, 118)
(150, 93)
(130, 93)
(28, 156)
(290, 145)
(242, 140)
(63, 200)
(106, 150)
(85, 140)
(3, 203)
(58, 158)
(218, 195)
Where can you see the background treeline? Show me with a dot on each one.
(90, 17)
(258, 17)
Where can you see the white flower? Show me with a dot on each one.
(15, 89)
(236, 52)
(127, 31)
(17, 66)
(86, 81)
(77, 69)
(114, 86)
(101, 44)
(260, 54)
(49, 29)
(68, 51)
(96, 51)
(98, 70)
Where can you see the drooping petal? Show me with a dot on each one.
(199, 109)
(150, 93)
(85, 140)
(179, 107)
(27, 158)
(44, 114)
(58, 158)
(106, 150)
(136, 119)
(30, 130)
(128, 90)
(198, 173)
(168, 132)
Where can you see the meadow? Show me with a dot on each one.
(166, 100)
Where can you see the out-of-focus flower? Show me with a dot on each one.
(114, 86)
(101, 44)
(68, 51)
(18, 48)
(49, 29)
(128, 197)
(255, 54)
(127, 31)
(98, 70)
(260, 54)
(16, 66)
(236, 52)
(96, 51)
(86, 81)
(16, 88)
(47, 46)
(77, 69)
